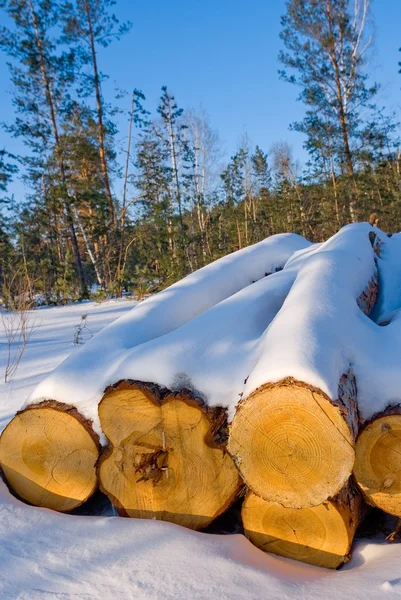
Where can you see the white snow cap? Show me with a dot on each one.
(320, 332)
(213, 331)
(81, 379)
(311, 336)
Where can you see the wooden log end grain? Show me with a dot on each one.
(377, 467)
(48, 454)
(292, 444)
(320, 536)
(167, 458)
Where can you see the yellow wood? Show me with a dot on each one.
(292, 445)
(321, 535)
(49, 458)
(162, 462)
(378, 463)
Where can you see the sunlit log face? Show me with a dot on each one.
(48, 455)
(320, 536)
(378, 462)
(292, 445)
(166, 459)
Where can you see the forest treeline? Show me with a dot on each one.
(95, 218)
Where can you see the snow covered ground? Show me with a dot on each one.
(51, 342)
(49, 555)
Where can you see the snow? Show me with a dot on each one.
(214, 353)
(302, 322)
(50, 343)
(320, 333)
(312, 337)
(82, 378)
(68, 557)
(390, 278)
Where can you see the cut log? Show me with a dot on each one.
(166, 458)
(301, 443)
(48, 454)
(293, 436)
(321, 535)
(378, 461)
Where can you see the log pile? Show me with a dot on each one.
(266, 389)
(82, 378)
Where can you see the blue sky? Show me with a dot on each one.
(222, 55)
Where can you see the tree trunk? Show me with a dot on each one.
(377, 466)
(100, 118)
(340, 100)
(88, 247)
(320, 536)
(334, 181)
(48, 454)
(174, 165)
(66, 204)
(166, 458)
(124, 208)
(199, 195)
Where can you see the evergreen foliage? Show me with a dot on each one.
(88, 222)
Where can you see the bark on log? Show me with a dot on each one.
(377, 466)
(321, 535)
(292, 444)
(166, 458)
(48, 453)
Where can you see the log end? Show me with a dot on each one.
(292, 445)
(48, 455)
(320, 536)
(165, 459)
(377, 467)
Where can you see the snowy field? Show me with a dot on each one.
(49, 555)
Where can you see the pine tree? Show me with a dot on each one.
(89, 24)
(86, 184)
(7, 170)
(41, 76)
(155, 242)
(325, 55)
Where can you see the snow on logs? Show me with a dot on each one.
(378, 449)
(49, 450)
(81, 379)
(167, 455)
(293, 436)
